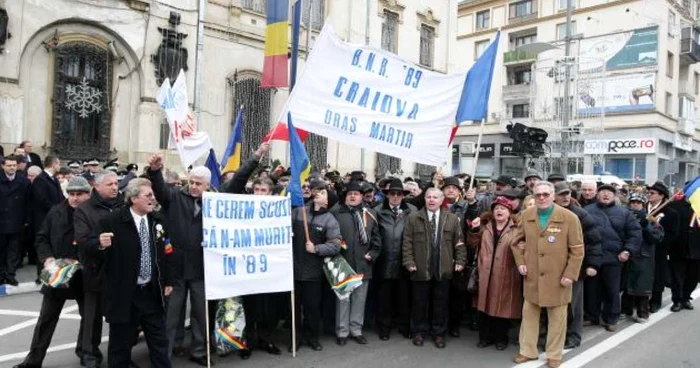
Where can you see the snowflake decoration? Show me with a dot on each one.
(83, 98)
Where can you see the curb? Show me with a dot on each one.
(22, 288)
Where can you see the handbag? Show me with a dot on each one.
(473, 283)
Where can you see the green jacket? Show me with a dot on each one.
(416, 245)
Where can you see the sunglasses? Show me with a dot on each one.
(542, 195)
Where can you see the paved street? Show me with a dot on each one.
(668, 340)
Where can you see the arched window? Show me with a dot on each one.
(81, 95)
(256, 113)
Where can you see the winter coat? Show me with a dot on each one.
(638, 273)
(56, 239)
(671, 222)
(500, 283)
(593, 255)
(13, 203)
(687, 243)
(549, 253)
(86, 220)
(123, 261)
(391, 229)
(416, 245)
(355, 251)
(46, 193)
(324, 232)
(619, 229)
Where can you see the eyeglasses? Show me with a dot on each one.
(542, 195)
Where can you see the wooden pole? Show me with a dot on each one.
(476, 155)
(652, 215)
(306, 224)
(206, 322)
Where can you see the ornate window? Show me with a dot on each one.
(427, 45)
(390, 29)
(81, 96)
(317, 13)
(256, 113)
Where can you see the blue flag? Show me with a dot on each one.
(231, 160)
(300, 164)
(213, 165)
(474, 103)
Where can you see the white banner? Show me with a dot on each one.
(373, 99)
(247, 244)
(190, 143)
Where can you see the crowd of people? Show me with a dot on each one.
(511, 257)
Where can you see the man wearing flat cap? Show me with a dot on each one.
(555, 178)
(531, 177)
(503, 182)
(74, 167)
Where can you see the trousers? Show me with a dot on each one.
(530, 330)
(394, 300)
(603, 295)
(177, 304)
(429, 309)
(574, 326)
(350, 313)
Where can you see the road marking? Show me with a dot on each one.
(19, 313)
(542, 358)
(603, 347)
(32, 322)
(53, 349)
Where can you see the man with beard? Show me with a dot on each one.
(658, 193)
(55, 240)
(104, 200)
(591, 263)
(394, 282)
(622, 239)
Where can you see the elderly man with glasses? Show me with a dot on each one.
(548, 252)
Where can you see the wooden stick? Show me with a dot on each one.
(306, 224)
(476, 155)
(206, 322)
(294, 330)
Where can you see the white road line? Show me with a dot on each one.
(542, 358)
(19, 313)
(32, 322)
(603, 347)
(17, 356)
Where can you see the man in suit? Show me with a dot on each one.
(54, 240)
(136, 274)
(32, 158)
(46, 191)
(13, 213)
(432, 251)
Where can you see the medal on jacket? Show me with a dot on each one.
(551, 239)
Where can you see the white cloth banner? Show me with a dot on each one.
(373, 99)
(247, 244)
(190, 143)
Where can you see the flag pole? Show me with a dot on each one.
(476, 155)
(206, 322)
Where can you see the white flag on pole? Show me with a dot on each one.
(190, 143)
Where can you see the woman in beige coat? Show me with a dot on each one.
(500, 285)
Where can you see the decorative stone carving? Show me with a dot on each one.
(171, 56)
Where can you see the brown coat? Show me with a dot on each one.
(549, 254)
(500, 284)
(416, 245)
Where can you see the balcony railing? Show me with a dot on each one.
(686, 88)
(515, 56)
(522, 18)
(516, 92)
(686, 126)
(690, 49)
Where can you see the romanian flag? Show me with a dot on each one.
(300, 164)
(276, 36)
(474, 103)
(691, 192)
(231, 160)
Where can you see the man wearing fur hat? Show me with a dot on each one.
(360, 231)
(658, 194)
(394, 282)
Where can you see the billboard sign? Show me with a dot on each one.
(617, 93)
(622, 50)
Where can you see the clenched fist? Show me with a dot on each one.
(106, 240)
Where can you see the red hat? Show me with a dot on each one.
(503, 201)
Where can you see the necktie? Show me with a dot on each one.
(433, 226)
(360, 226)
(145, 270)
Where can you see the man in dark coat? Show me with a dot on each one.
(684, 255)
(104, 200)
(360, 231)
(591, 263)
(56, 240)
(394, 293)
(46, 191)
(136, 275)
(622, 239)
(31, 158)
(432, 251)
(14, 191)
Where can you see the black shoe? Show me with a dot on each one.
(676, 307)
(341, 341)
(384, 336)
(483, 344)
(653, 308)
(439, 342)
(405, 334)
(359, 339)
(501, 345)
(454, 332)
(37, 281)
(571, 344)
(289, 349)
(418, 340)
(25, 365)
(687, 305)
(245, 354)
(203, 360)
(272, 349)
(315, 345)
(12, 281)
